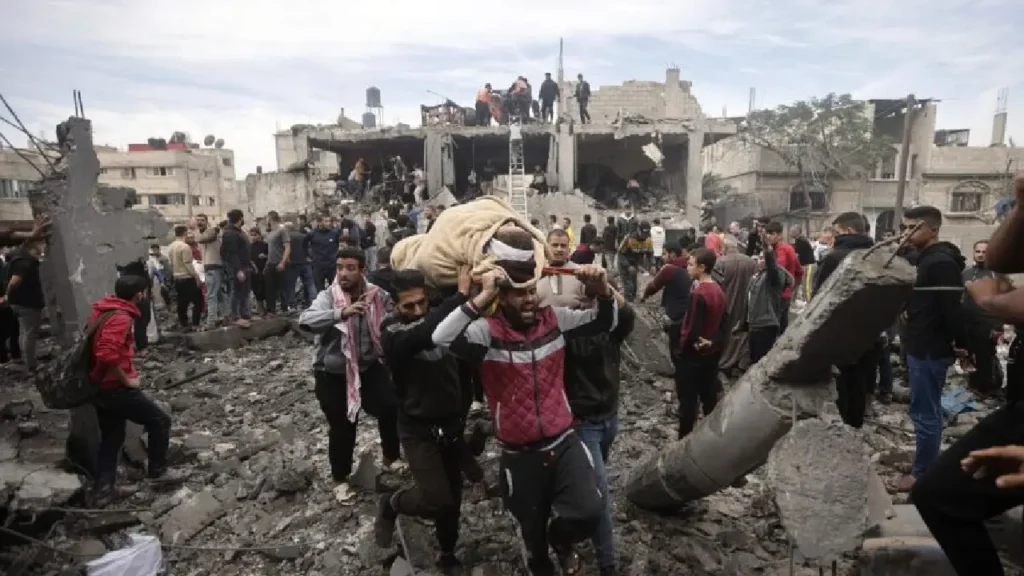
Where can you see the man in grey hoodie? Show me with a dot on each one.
(764, 304)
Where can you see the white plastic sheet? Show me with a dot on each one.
(142, 557)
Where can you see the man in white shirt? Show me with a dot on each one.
(658, 242)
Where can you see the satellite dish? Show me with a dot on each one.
(219, 143)
(209, 140)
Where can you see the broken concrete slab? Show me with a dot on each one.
(859, 300)
(190, 517)
(366, 472)
(234, 336)
(903, 556)
(821, 467)
(36, 487)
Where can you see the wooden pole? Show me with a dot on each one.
(901, 184)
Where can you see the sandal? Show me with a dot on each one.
(570, 563)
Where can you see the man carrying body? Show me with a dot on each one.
(558, 289)
(431, 418)
(548, 94)
(856, 380)
(983, 329)
(592, 386)
(935, 332)
(546, 471)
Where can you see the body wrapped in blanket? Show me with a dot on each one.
(461, 236)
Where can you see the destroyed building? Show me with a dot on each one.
(597, 158)
(966, 182)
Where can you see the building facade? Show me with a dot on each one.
(17, 177)
(965, 182)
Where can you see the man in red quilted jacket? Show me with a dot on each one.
(546, 471)
(120, 397)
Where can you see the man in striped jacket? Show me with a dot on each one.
(546, 470)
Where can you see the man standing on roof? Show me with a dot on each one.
(548, 95)
(483, 106)
(547, 474)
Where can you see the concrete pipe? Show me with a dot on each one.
(841, 323)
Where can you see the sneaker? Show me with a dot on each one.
(343, 493)
(449, 565)
(384, 523)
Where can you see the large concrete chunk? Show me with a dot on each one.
(820, 475)
(190, 517)
(861, 299)
(233, 337)
(36, 488)
(95, 229)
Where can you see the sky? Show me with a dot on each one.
(242, 69)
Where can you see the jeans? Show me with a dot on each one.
(241, 291)
(300, 273)
(598, 437)
(29, 321)
(371, 257)
(113, 409)
(584, 114)
(955, 505)
(217, 303)
(927, 377)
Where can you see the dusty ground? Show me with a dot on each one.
(253, 441)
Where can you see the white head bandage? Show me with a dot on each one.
(502, 251)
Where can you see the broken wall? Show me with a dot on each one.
(93, 233)
(655, 100)
(283, 192)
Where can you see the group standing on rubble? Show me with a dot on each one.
(518, 102)
(544, 354)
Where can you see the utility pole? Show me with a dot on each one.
(901, 184)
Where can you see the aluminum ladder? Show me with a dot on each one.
(517, 185)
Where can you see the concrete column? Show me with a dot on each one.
(439, 160)
(93, 233)
(694, 175)
(565, 139)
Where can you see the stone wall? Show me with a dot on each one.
(655, 100)
(283, 192)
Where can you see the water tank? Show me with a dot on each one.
(373, 97)
(369, 120)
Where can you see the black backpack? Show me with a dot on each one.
(64, 383)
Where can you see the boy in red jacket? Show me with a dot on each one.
(119, 397)
(787, 259)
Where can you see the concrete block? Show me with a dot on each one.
(190, 517)
(36, 487)
(235, 337)
(909, 556)
(820, 474)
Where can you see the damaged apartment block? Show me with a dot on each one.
(651, 132)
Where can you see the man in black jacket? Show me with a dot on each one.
(324, 243)
(592, 386)
(856, 380)
(431, 419)
(935, 334)
(548, 94)
(24, 294)
(237, 258)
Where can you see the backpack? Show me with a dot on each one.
(64, 384)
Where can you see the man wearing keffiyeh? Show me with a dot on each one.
(348, 367)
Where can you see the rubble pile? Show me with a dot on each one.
(259, 498)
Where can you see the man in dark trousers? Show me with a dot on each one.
(548, 94)
(120, 397)
(431, 417)
(368, 240)
(701, 341)
(547, 477)
(935, 334)
(588, 232)
(856, 380)
(24, 294)
(610, 243)
(674, 283)
(583, 97)
(764, 303)
(984, 329)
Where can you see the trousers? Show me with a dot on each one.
(552, 493)
(955, 505)
(378, 399)
(598, 437)
(217, 301)
(10, 344)
(696, 387)
(853, 384)
(275, 289)
(435, 463)
(113, 409)
(187, 293)
(927, 376)
(761, 341)
(29, 322)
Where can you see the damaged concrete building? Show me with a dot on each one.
(968, 183)
(597, 158)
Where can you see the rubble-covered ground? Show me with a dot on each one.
(259, 500)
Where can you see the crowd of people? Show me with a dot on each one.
(519, 101)
(544, 354)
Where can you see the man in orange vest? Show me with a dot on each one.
(483, 106)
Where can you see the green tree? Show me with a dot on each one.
(822, 139)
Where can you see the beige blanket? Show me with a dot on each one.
(459, 237)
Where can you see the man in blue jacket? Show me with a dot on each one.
(323, 250)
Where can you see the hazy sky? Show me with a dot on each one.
(242, 69)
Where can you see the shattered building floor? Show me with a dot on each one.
(259, 500)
